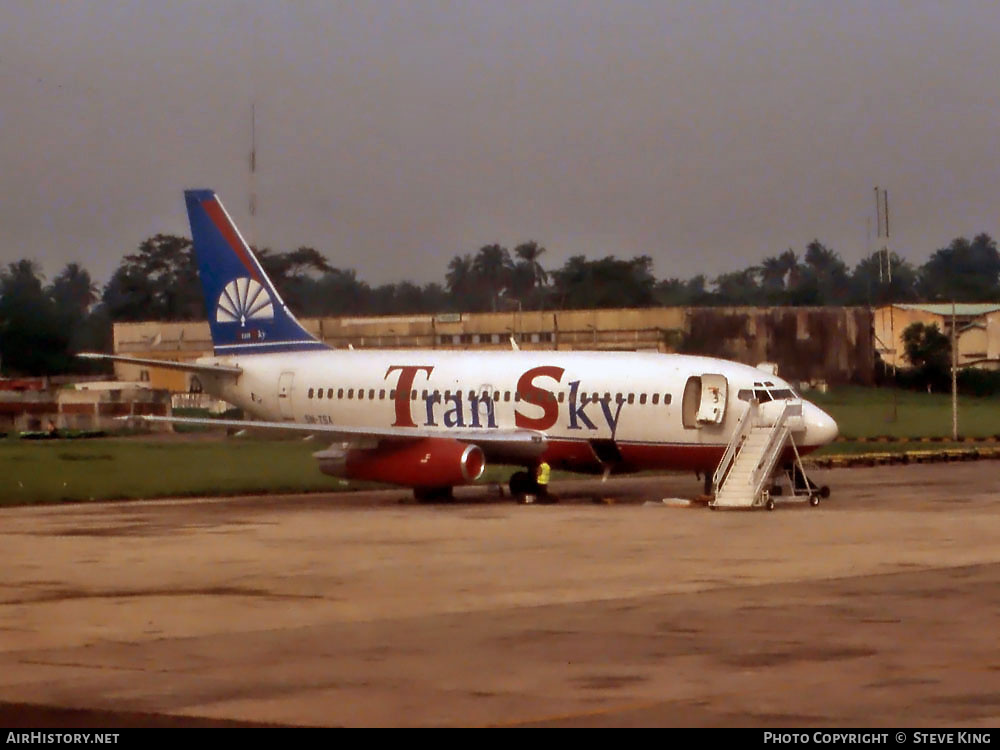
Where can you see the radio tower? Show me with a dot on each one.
(885, 276)
(882, 239)
(253, 175)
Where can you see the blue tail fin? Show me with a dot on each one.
(245, 312)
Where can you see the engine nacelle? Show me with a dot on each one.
(437, 462)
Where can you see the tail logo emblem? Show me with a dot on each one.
(243, 299)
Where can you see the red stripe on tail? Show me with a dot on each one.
(221, 221)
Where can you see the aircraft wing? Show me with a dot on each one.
(167, 364)
(511, 445)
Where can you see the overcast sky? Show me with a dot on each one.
(392, 136)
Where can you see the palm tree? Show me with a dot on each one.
(529, 278)
(462, 286)
(459, 273)
(772, 274)
(73, 291)
(493, 270)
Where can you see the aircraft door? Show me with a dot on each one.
(714, 394)
(704, 400)
(285, 395)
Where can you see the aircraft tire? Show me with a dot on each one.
(824, 492)
(521, 484)
(814, 500)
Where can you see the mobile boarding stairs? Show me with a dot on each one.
(749, 474)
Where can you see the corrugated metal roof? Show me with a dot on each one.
(945, 308)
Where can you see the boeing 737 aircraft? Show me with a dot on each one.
(431, 419)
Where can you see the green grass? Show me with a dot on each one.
(61, 470)
(115, 468)
(870, 412)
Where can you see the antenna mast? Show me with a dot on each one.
(882, 221)
(253, 174)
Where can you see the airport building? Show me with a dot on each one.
(45, 405)
(977, 330)
(807, 344)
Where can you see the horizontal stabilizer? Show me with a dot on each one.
(167, 364)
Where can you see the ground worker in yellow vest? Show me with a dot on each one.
(542, 474)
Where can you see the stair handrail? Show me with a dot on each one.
(742, 430)
(775, 445)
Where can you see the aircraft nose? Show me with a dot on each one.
(820, 426)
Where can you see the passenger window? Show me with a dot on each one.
(506, 395)
(310, 393)
(392, 394)
(666, 399)
(413, 395)
(350, 393)
(371, 393)
(607, 397)
(319, 393)
(340, 393)
(656, 399)
(517, 396)
(361, 393)
(631, 398)
(496, 395)
(381, 394)
(423, 396)
(642, 398)
(562, 396)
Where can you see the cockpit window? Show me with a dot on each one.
(763, 395)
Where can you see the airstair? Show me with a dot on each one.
(744, 477)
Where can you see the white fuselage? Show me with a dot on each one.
(642, 407)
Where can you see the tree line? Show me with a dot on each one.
(42, 325)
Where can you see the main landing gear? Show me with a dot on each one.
(524, 489)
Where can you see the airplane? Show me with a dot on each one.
(431, 420)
